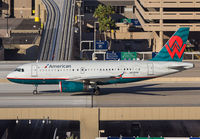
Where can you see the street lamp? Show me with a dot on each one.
(95, 34)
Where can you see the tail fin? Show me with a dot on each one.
(173, 50)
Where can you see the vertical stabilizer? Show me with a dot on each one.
(174, 49)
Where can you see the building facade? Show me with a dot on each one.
(167, 15)
(22, 9)
(156, 17)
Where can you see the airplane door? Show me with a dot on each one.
(150, 69)
(82, 70)
(34, 72)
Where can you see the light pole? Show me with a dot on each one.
(95, 34)
(7, 25)
(7, 18)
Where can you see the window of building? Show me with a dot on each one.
(119, 9)
(89, 9)
(0, 3)
(122, 9)
(33, 7)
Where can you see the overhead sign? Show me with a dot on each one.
(135, 22)
(128, 56)
(101, 45)
(113, 55)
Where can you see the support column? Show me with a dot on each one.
(160, 42)
(159, 45)
(89, 123)
(149, 43)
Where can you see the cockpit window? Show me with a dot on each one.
(19, 69)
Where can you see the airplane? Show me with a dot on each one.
(78, 76)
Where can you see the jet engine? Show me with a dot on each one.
(70, 86)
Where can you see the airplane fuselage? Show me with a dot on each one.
(96, 71)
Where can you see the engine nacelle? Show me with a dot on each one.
(70, 86)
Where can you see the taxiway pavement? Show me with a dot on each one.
(181, 89)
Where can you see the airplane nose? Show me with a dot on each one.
(9, 76)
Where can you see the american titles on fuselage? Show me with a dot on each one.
(57, 66)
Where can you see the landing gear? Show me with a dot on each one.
(35, 91)
(96, 90)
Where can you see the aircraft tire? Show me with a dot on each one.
(35, 92)
(97, 91)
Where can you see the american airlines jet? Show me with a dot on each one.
(75, 76)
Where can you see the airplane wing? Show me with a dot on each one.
(96, 78)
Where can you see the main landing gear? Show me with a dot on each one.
(35, 91)
(96, 90)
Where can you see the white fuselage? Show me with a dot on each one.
(39, 73)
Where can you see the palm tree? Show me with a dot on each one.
(106, 23)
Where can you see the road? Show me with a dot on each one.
(57, 36)
(66, 31)
(49, 34)
(147, 93)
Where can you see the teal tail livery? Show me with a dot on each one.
(173, 50)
